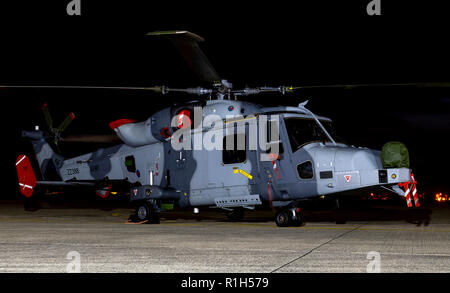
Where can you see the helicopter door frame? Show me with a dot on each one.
(295, 159)
(279, 166)
(234, 177)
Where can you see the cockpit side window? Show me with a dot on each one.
(305, 170)
(302, 131)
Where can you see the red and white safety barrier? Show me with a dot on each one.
(411, 191)
(414, 191)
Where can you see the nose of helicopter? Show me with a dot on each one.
(345, 158)
(342, 168)
(349, 159)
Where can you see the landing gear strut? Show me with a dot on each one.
(236, 215)
(292, 217)
(340, 217)
(146, 212)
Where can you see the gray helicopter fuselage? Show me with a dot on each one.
(202, 177)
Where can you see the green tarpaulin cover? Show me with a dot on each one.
(394, 154)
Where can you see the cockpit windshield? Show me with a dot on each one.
(302, 131)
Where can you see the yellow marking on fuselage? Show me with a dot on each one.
(239, 120)
(246, 174)
(237, 170)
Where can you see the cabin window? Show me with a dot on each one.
(234, 149)
(130, 164)
(305, 170)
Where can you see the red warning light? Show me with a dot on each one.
(184, 119)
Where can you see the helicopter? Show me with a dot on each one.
(218, 152)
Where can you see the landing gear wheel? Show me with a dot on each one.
(292, 217)
(144, 212)
(236, 215)
(282, 219)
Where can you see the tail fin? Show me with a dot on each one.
(27, 179)
(49, 161)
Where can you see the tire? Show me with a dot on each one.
(142, 212)
(282, 219)
(298, 221)
(146, 212)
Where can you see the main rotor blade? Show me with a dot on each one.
(66, 122)
(352, 86)
(47, 117)
(93, 138)
(187, 44)
(158, 89)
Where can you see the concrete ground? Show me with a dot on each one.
(42, 241)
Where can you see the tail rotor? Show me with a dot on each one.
(55, 133)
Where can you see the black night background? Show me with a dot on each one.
(257, 43)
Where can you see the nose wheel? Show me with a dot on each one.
(292, 217)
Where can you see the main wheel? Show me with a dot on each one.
(144, 211)
(282, 219)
